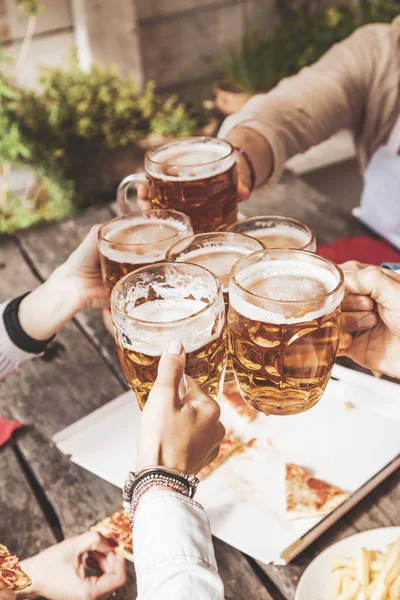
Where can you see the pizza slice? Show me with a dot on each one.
(117, 528)
(232, 395)
(307, 496)
(230, 445)
(12, 577)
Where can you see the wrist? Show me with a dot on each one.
(44, 311)
(258, 150)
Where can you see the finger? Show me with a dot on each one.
(143, 204)
(170, 372)
(87, 249)
(352, 265)
(243, 191)
(221, 432)
(142, 191)
(107, 319)
(94, 541)
(198, 398)
(381, 285)
(357, 321)
(7, 595)
(356, 302)
(113, 577)
(345, 341)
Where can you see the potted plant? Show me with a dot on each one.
(84, 131)
(256, 65)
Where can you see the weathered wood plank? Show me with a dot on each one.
(23, 528)
(73, 384)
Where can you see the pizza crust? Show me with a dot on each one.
(230, 445)
(117, 528)
(12, 577)
(307, 496)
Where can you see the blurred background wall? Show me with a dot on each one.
(173, 42)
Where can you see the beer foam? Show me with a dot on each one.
(217, 259)
(201, 156)
(153, 339)
(142, 234)
(296, 238)
(285, 281)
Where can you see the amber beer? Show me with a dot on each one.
(284, 325)
(217, 252)
(196, 176)
(164, 302)
(277, 232)
(138, 239)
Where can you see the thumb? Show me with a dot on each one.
(171, 369)
(381, 285)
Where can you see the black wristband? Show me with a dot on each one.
(17, 335)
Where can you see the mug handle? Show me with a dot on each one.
(123, 188)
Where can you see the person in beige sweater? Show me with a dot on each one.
(355, 85)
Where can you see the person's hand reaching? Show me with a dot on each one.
(371, 317)
(180, 426)
(58, 573)
(73, 286)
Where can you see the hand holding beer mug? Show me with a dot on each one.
(138, 239)
(277, 232)
(284, 326)
(163, 302)
(196, 176)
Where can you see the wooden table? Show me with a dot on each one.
(43, 496)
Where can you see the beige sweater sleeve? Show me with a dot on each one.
(309, 107)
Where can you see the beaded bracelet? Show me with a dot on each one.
(249, 162)
(151, 480)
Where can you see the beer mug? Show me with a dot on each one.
(277, 232)
(196, 176)
(138, 239)
(217, 252)
(284, 326)
(163, 302)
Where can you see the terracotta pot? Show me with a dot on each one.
(229, 101)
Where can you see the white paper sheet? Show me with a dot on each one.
(244, 498)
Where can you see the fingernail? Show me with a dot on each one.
(175, 347)
(112, 543)
(367, 321)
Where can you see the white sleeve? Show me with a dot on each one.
(174, 554)
(11, 357)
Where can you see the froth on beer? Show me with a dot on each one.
(133, 241)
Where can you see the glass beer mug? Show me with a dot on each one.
(196, 176)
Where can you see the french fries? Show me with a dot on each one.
(372, 575)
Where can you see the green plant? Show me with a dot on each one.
(78, 114)
(307, 31)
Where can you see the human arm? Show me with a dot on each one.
(309, 107)
(174, 555)
(59, 572)
(371, 317)
(27, 325)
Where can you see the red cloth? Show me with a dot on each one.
(361, 248)
(7, 427)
